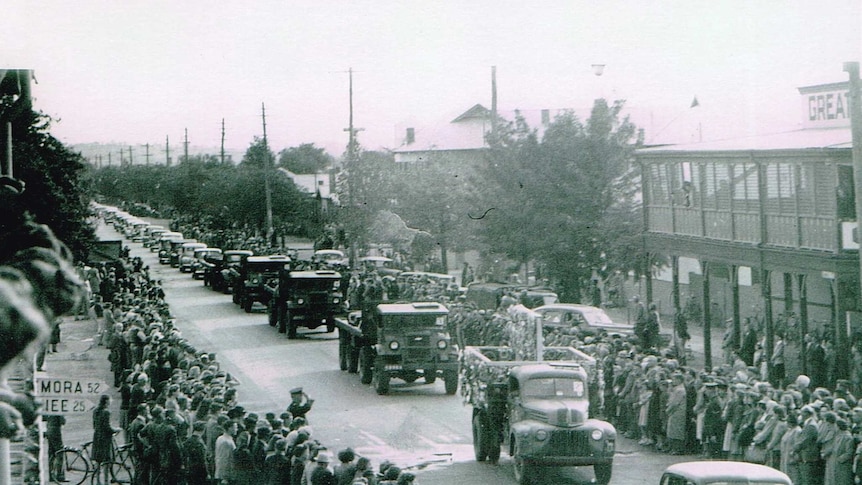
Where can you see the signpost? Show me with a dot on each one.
(67, 396)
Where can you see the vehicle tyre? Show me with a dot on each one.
(330, 323)
(492, 444)
(247, 303)
(430, 376)
(381, 378)
(366, 366)
(290, 324)
(479, 430)
(603, 473)
(343, 352)
(235, 297)
(272, 313)
(353, 365)
(522, 471)
(74, 465)
(450, 378)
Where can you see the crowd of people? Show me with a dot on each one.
(181, 411)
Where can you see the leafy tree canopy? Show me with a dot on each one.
(305, 159)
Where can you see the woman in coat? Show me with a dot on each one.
(676, 416)
(102, 452)
(839, 463)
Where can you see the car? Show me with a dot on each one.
(187, 255)
(722, 472)
(489, 295)
(198, 263)
(381, 264)
(588, 319)
(329, 257)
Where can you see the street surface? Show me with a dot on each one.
(417, 426)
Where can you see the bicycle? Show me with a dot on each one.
(76, 464)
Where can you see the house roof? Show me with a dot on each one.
(825, 138)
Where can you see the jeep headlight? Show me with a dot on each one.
(596, 434)
(336, 285)
(442, 344)
(394, 345)
(541, 435)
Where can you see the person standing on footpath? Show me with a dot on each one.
(194, 453)
(300, 403)
(54, 436)
(102, 452)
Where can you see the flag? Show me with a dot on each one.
(694, 103)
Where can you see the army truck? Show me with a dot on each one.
(305, 298)
(399, 340)
(536, 409)
(255, 274)
(222, 271)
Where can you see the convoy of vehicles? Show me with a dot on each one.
(536, 409)
(399, 340)
(306, 299)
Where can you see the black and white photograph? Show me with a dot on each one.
(379, 242)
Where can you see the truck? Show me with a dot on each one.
(537, 409)
(255, 274)
(398, 340)
(304, 298)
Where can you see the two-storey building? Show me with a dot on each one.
(768, 221)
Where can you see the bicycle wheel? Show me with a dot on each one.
(121, 468)
(74, 467)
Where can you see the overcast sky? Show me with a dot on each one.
(136, 71)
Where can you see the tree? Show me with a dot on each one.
(304, 159)
(559, 201)
(56, 192)
(431, 196)
(365, 190)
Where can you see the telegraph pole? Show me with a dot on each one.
(186, 147)
(852, 69)
(222, 140)
(167, 151)
(351, 165)
(130, 155)
(147, 155)
(266, 174)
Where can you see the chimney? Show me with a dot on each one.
(411, 135)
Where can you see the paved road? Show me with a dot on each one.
(416, 426)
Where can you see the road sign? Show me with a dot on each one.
(70, 387)
(65, 405)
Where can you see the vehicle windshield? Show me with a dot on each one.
(597, 317)
(552, 387)
(413, 321)
(315, 284)
(234, 258)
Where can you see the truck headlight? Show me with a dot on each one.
(596, 434)
(300, 301)
(394, 345)
(442, 344)
(541, 435)
(335, 301)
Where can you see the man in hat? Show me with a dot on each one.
(807, 449)
(842, 390)
(321, 475)
(300, 403)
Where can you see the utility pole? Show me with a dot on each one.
(852, 69)
(493, 100)
(131, 161)
(266, 175)
(109, 159)
(351, 165)
(167, 151)
(122, 160)
(222, 141)
(147, 155)
(186, 147)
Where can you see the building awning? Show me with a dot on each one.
(825, 138)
